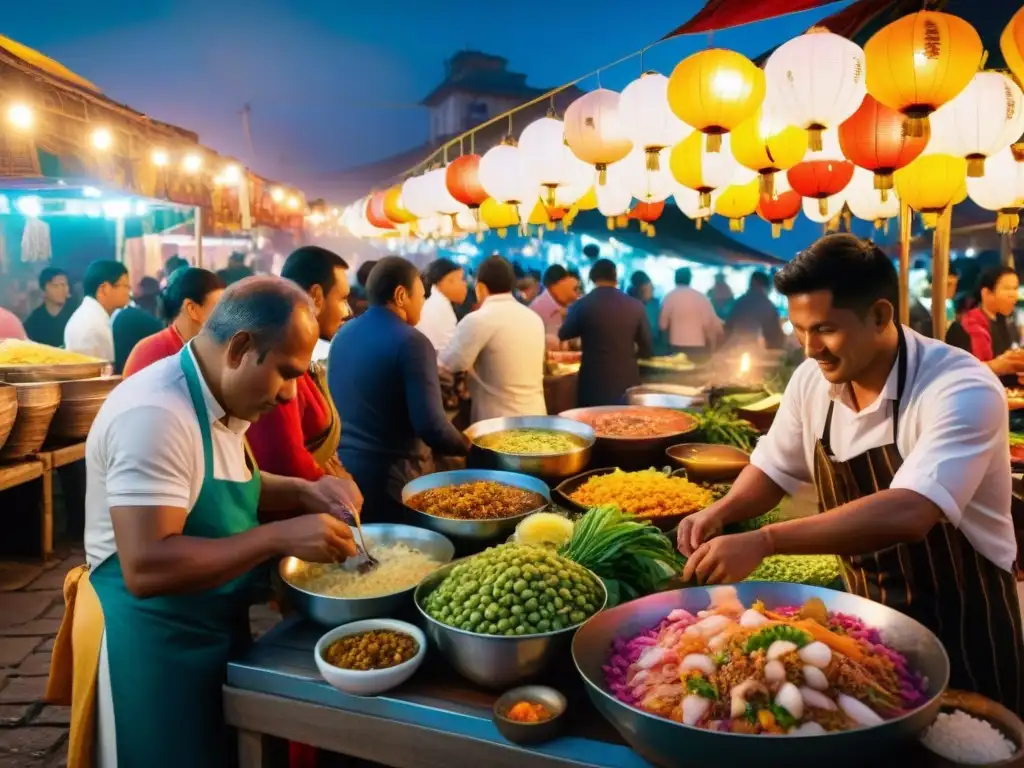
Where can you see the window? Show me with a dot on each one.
(476, 113)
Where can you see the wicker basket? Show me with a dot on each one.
(80, 401)
(36, 405)
(8, 411)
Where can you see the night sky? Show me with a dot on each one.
(334, 84)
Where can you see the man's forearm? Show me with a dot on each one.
(753, 494)
(866, 525)
(280, 494)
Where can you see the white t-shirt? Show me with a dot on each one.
(953, 437)
(90, 331)
(145, 449)
(438, 320)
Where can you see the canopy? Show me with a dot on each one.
(46, 64)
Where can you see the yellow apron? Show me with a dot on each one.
(75, 663)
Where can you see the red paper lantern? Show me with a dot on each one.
(879, 139)
(646, 213)
(375, 211)
(779, 210)
(463, 181)
(820, 179)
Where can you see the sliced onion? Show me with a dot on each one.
(810, 728)
(694, 708)
(815, 678)
(817, 654)
(775, 671)
(780, 648)
(789, 699)
(752, 618)
(817, 699)
(860, 712)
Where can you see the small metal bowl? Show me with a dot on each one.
(531, 733)
(983, 708)
(707, 462)
(548, 466)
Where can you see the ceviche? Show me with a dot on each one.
(798, 670)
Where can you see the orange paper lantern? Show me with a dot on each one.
(375, 212)
(647, 214)
(780, 210)
(820, 179)
(463, 179)
(1011, 43)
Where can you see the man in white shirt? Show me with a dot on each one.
(502, 347)
(446, 282)
(905, 440)
(689, 319)
(89, 330)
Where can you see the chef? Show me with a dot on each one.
(905, 440)
(172, 543)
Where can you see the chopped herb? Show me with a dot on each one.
(702, 687)
(782, 716)
(764, 638)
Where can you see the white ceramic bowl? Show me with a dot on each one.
(374, 681)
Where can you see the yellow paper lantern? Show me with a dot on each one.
(498, 216)
(932, 183)
(1011, 43)
(714, 91)
(763, 143)
(695, 167)
(738, 201)
(921, 61)
(393, 207)
(588, 202)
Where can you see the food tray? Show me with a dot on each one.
(37, 404)
(80, 402)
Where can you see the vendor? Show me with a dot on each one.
(89, 330)
(905, 439)
(446, 282)
(987, 331)
(172, 541)
(559, 293)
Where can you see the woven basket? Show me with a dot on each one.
(8, 411)
(80, 401)
(36, 405)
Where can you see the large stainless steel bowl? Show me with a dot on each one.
(666, 396)
(489, 660)
(546, 466)
(334, 611)
(674, 745)
(476, 530)
(630, 452)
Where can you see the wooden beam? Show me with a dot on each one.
(906, 218)
(940, 272)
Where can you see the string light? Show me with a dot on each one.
(160, 158)
(231, 174)
(192, 162)
(277, 194)
(102, 139)
(293, 202)
(29, 205)
(20, 116)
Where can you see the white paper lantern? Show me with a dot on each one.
(416, 197)
(613, 197)
(595, 132)
(866, 202)
(986, 117)
(504, 176)
(649, 120)
(832, 207)
(816, 81)
(568, 195)
(1001, 189)
(688, 201)
(435, 185)
(468, 222)
(634, 173)
(548, 159)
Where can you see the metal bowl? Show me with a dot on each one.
(334, 611)
(673, 745)
(477, 530)
(490, 660)
(629, 452)
(530, 733)
(564, 490)
(553, 466)
(665, 396)
(708, 462)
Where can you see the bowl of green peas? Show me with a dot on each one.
(500, 617)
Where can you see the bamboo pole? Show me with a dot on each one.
(906, 218)
(940, 272)
(1006, 249)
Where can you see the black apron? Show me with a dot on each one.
(964, 598)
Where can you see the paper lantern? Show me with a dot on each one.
(436, 186)
(416, 197)
(395, 209)
(876, 138)
(765, 144)
(588, 202)
(375, 212)
(693, 166)
(504, 176)
(646, 185)
(498, 216)
(543, 152)
(647, 214)
(825, 211)
(649, 120)
(825, 175)
(714, 91)
(737, 201)
(1001, 189)
(1011, 43)
(689, 202)
(468, 221)
(780, 207)
(921, 61)
(595, 132)
(816, 81)
(463, 181)
(613, 199)
(932, 183)
(986, 117)
(868, 203)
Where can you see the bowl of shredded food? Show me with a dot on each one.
(548, 447)
(830, 674)
(476, 504)
(633, 436)
(337, 593)
(369, 657)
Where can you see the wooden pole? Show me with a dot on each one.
(199, 236)
(906, 218)
(1006, 249)
(940, 271)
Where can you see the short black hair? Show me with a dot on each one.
(48, 275)
(604, 271)
(312, 265)
(100, 272)
(386, 276)
(760, 278)
(639, 279)
(990, 277)
(496, 274)
(148, 286)
(556, 273)
(173, 264)
(684, 276)
(192, 283)
(364, 270)
(592, 251)
(856, 272)
(437, 270)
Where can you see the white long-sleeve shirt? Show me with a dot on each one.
(502, 346)
(90, 331)
(690, 319)
(438, 321)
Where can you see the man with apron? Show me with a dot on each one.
(905, 440)
(172, 537)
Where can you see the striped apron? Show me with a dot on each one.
(943, 582)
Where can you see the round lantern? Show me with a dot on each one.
(689, 202)
(1001, 189)
(779, 209)
(647, 214)
(504, 176)
(737, 201)
(825, 211)
(395, 209)
(932, 183)
(375, 212)
(868, 203)
(416, 197)
(876, 137)
(825, 175)
(1011, 43)
(921, 61)
(986, 117)
(467, 221)
(649, 120)
(463, 179)
(498, 216)
(645, 185)
(548, 160)
(436, 185)
(714, 91)
(583, 199)
(763, 143)
(595, 132)
(816, 81)
(613, 198)
(695, 167)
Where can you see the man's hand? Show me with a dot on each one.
(315, 538)
(728, 559)
(697, 528)
(335, 496)
(445, 376)
(1008, 363)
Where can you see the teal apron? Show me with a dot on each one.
(168, 655)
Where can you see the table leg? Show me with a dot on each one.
(46, 516)
(258, 750)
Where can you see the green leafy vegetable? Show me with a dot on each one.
(765, 637)
(818, 570)
(782, 716)
(720, 424)
(702, 687)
